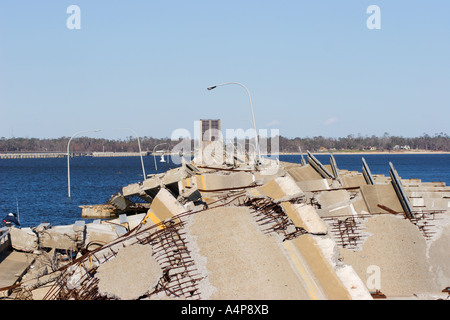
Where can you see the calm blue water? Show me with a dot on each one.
(40, 185)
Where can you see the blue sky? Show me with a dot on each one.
(313, 67)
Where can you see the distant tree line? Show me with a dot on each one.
(81, 144)
(438, 142)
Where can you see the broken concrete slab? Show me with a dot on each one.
(115, 276)
(327, 284)
(355, 286)
(359, 206)
(79, 227)
(152, 182)
(261, 178)
(127, 221)
(12, 268)
(223, 180)
(438, 252)
(164, 206)
(174, 175)
(42, 271)
(353, 181)
(381, 179)
(399, 251)
(281, 189)
(98, 235)
(24, 239)
(313, 185)
(61, 237)
(379, 197)
(191, 195)
(131, 189)
(134, 220)
(102, 211)
(188, 190)
(337, 203)
(333, 198)
(436, 194)
(285, 191)
(346, 274)
(38, 284)
(305, 216)
(344, 210)
(304, 173)
(119, 202)
(146, 190)
(259, 269)
(187, 183)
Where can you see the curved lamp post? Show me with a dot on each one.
(253, 114)
(160, 144)
(140, 151)
(68, 155)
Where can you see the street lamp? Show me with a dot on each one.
(160, 144)
(68, 156)
(140, 151)
(253, 114)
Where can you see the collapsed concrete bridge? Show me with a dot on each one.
(276, 231)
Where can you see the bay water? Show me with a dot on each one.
(38, 188)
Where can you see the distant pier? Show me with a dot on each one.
(32, 155)
(119, 154)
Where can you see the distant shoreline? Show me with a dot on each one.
(28, 155)
(368, 152)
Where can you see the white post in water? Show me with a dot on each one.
(140, 151)
(156, 167)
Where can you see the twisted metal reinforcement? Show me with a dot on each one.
(180, 277)
(272, 218)
(423, 220)
(179, 280)
(348, 229)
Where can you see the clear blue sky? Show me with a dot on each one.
(313, 67)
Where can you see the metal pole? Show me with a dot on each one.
(253, 113)
(402, 197)
(17, 204)
(140, 151)
(160, 144)
(68, 156)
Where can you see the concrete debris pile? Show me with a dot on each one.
(275, 231)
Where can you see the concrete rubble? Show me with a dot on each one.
(239, 231)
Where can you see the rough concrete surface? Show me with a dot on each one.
(23, 239)
(398, 248)
(242, 263)
(129, 275)
(438, 251)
